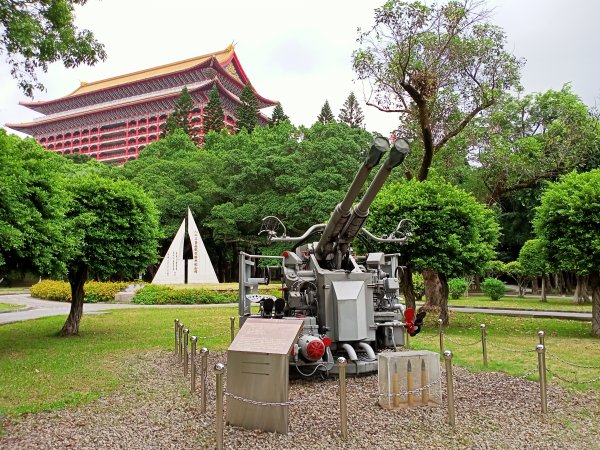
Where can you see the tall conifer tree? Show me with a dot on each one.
(278, 115)
(351, 113)
(180, 117)
(247, 113)
(326, 114)
(213, 119)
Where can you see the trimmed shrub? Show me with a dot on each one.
(493, 288)
(95, 291)
(457, 287)
(165, 295)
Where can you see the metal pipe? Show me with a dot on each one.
(351, 352)
(306, 234)
(541, 350)
(484, 345)
(341, 361)
(441, 333)
(203, 375)
(232, 320)
(180, 342)
(176, 334)
(193, 365)
(449, 387)
(186, 334)
(541, 336)
(219, 371)
(368, 350)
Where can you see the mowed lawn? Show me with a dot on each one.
(40, 371)
(553, 303)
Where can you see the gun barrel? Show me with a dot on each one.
(341, 213)
(361, 211)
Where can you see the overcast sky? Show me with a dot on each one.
(299, 52)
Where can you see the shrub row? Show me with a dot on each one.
(164, 295)
(95, 291)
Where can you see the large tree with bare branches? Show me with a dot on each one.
(437, 66)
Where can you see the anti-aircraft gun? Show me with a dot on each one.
(350, 305)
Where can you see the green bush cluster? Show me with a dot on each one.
(165, 295)
(95, 291)
(493, 288)
(457, 287)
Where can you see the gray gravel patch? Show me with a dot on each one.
(154, 410)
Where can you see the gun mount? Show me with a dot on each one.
(350, 305)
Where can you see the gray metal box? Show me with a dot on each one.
(351, 307)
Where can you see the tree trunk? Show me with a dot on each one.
(436, 294)
(543, 294)
(594, 282)
(534, 286)
(77, 279)
(407, 288)
(477, 287)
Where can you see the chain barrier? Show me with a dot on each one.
(566, 380)
(404, 393)
(580, 366)
(449, 339)
(511, 350)
(260, 403)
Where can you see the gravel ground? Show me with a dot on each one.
(154, 410)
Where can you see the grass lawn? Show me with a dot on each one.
(40, 371)
(10, 307)
(13, 290)
(559, 304)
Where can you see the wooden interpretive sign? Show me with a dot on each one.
(258, 371)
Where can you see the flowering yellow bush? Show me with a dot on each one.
(95, 291)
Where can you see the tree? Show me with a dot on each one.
(453, 233)
(213, 120)
(514, 270)
(351, 113)
(114, 229)
(534, 262)
(567, 223)
(247, 112)
(326, 115)
(180, 117)
(278, 114)
(32, 208)
(34, 34)
(438, 66)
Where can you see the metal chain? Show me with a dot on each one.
(259, 403)
(552, 355)
(566, 380)
(510, 349)
(478, 341)
(214, 335)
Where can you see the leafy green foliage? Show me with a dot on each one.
(453, 233)
(247, 112)
(533, 258)
(418, 284)
(494, 268)
(180, 117)
(278, 115)
(32, 206)
(493, 288)
(326, 116)
(351, 112)
(164, 295)
(34, 34)
(213, 119)
(438, 66)
(567, 222)
(95, 291)
(457, 287)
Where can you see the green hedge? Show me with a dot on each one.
(164, 295)
(95, 291)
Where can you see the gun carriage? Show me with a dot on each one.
(350, 305)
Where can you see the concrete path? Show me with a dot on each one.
(36, 308)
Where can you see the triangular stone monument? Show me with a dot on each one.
(172, 268)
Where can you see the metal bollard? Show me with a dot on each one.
(484, 345)
(449, 387)
(193, 365)
(541, 335)
(219, 370)
(203, 374)
(176, 336)
(541, 350)
(232, 319)
(186, 334)
(180, 333)
(441, 333)
(341, 362)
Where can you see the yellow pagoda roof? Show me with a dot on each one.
(222, 56)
